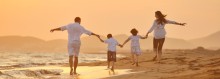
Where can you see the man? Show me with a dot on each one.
(75, 30)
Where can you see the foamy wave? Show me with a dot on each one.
(30, 74)
(26, 59)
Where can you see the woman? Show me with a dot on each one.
(159, 33)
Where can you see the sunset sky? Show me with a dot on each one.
(37, 17)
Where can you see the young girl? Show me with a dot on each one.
(135, 45)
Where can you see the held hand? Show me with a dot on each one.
(98, 36)
(182, 24)
(52, 30)
(146, 35)
(121, 46)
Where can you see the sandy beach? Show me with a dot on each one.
(175, 64)
(76, 39)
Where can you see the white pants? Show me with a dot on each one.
(74, 48)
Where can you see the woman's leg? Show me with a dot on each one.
(155, 47)
(161, 41)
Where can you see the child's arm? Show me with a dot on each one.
(125, 41)
(120, 45)
(100, 39)
(143, 37)
(95, 35)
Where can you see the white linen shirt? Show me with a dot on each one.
(112, 43)
(75, 30)
(159, 30)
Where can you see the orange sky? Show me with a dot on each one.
(37, 17)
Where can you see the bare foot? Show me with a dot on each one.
(137, 64)
(107, 68)
(132, 63)
(112, 69)
(71, 71)
(158, 62)
(76, 73)
(154, 58)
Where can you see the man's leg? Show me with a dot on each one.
(76, 47)
(108, 64)
(71, 64)
(75, 64)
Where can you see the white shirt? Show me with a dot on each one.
(159, 30)
(75, 30)
(135, 40)
(112, 43)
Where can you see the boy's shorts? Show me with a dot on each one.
(111, 56)
(136, 50)
(73, 48)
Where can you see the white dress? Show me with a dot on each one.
(135, 45)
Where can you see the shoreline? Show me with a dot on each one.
(175, 64)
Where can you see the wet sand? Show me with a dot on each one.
(175, 64)
(59, 72)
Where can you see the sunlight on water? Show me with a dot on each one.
(25, 59)
(86, 72)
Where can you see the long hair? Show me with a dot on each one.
(160, 18)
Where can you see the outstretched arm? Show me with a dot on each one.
(101, 39)
(88, 32)
(95, 35)
(182, 24)
(176, 23)
(55, 29)
(120, 45)
(125, 41)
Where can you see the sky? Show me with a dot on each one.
(37, 17)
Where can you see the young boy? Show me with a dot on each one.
(135, 45)
(111, 54)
